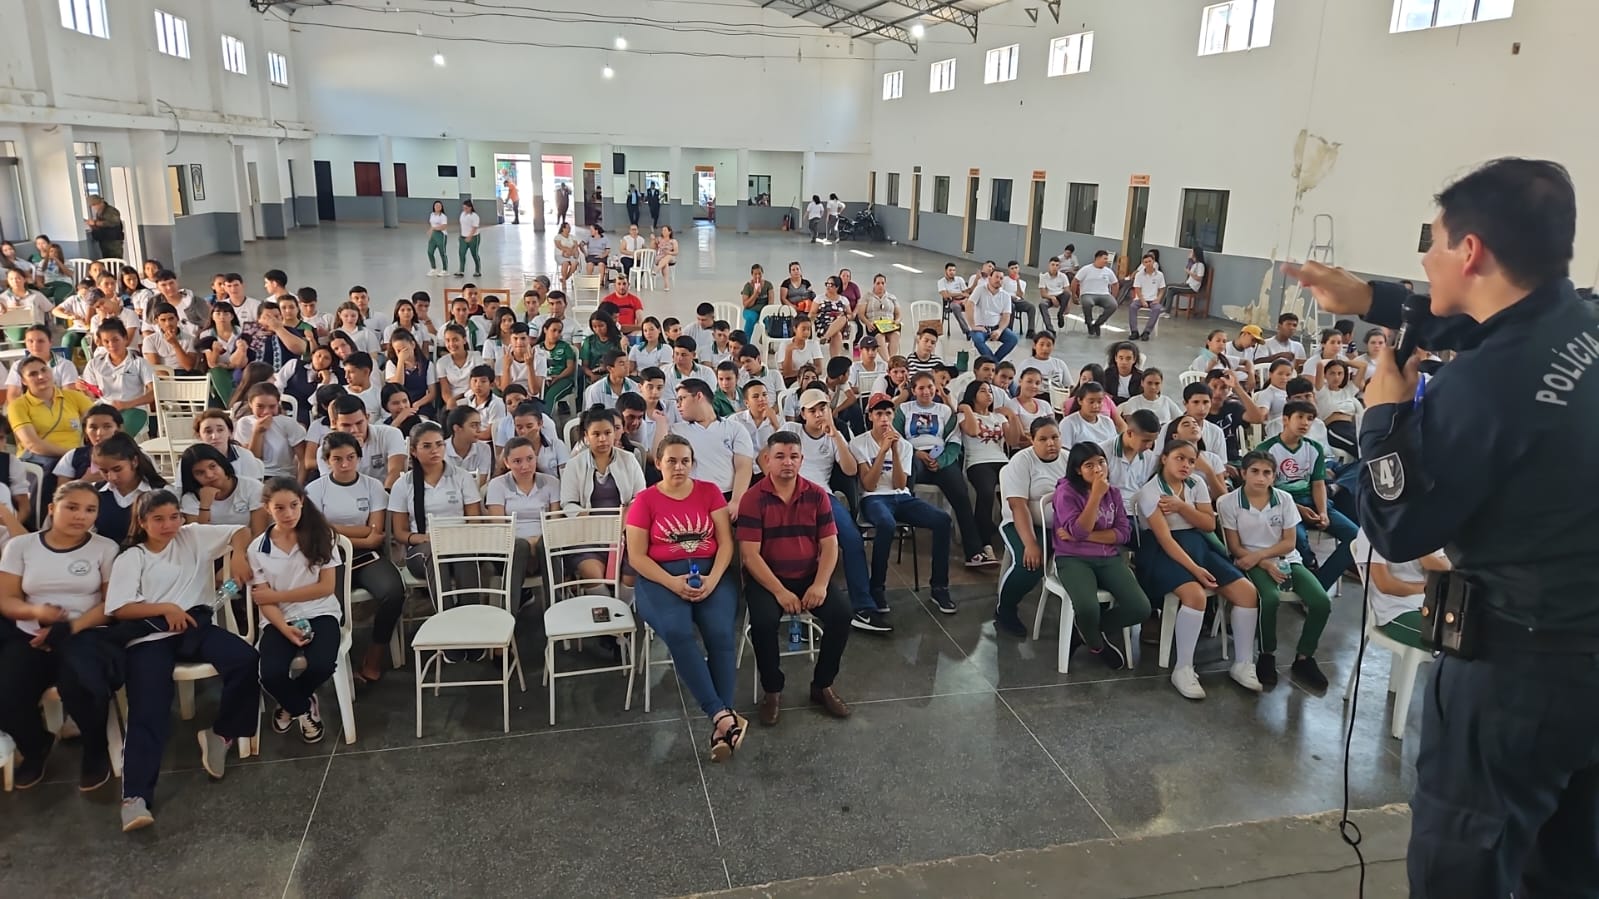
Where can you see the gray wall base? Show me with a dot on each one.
(273, 226)
(391, 210)
(305, 212)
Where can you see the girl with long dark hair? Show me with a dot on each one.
(128, 473)
(430, 488)
(214, 494)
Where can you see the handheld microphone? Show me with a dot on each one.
(1409, 338)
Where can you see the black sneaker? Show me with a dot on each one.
(30, 772)
(1266, 670)
(942, 600)
(96, 773)
(311, 729)
(281, 720)
(1111, 655)
(1010, 624)
(870, 621)
(1308, 674)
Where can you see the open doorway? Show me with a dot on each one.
(241, 180)
(1133, 230)
(125, 199)
(513, 187)
(650, 204)
(1035, 221)
(558, 189)
(705, 192)
(969, 220)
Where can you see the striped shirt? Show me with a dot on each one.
(789, 533)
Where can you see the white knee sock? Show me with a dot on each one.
(625, 593)
(1244, 633)
(1189, 623)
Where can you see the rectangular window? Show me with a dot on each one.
(1203, 222)
(278, 69)
(85, 17)
(1235, 25)
(941, 194)
(1082, 205)
(1415, 15)
(171, 34)
(893, 188)
(1000, 64)
(1070, 55)
(999, 205)
(893, 85)
(941, 77)
(233, 55)
(178, 189)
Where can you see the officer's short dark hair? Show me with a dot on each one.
(1523, 210)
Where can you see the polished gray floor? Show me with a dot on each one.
(961, 743)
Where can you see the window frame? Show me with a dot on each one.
(172, 35)
(1002, 64)
(941, 194)
(1068, 49)
(1000, 190)
(894, 84)
(86, 17)
(944, 68)
(1188, 231)
(1396, 24)
(277, 68)
(891, 198)
(234, 53)
(1076, 191)
(1256, 28)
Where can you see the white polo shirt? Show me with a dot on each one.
(455, 490)
(600, 393)
(347, 505)
(271, 567)
(456, 378)
(68, 579)
(525, 508)
(989, 306)
(1129, 476)
(1273, 346)
(1054, 285)
(492, 410)
(1026, 475)
(818, 455)
(180, 573)
(1149, 284)
(1148, 497)
(956, 284)
(158, 344)
(247, 311)
(280, 445)
(382, 442)
(714, 448)
(246, 465)
(479, 459)
(234, 510)
(1385, 607)
(1097, 280)
(1261, 528)
(864, 446)
(1075, 429)
(119, 382)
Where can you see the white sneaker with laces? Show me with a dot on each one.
(1187, 683)
(1243, 674)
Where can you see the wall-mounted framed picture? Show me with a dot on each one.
(196, 181)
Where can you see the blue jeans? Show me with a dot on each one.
(1344, 531)
(885, 512)
(751, 316)
(1007, 342)
(711, 680)
(852, 550)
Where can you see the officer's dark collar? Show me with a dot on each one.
(1533, 304)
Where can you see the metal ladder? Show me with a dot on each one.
(1321, 250)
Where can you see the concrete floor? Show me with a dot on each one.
(962, 743)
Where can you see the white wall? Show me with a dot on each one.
(1407, 113)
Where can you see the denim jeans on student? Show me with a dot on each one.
(1332, 568)
(852, 554)
(885, 512)
(1007, 342)
(709, 675)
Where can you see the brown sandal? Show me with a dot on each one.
(723, 745)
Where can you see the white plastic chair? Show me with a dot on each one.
(80, 267)
(33, 473)
(483, 541)
(925, 311)
(113, 265)
(54, 720)
(569, 430)
(731, 313)
(343, 676)
(177, 401)
(812, 630)
(575, 601)
(586, 292)
(1068, 614)
(185, 674)
(1403, 668)
(1189, 376)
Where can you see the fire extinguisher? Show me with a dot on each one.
(788, 223)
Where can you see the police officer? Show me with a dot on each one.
(1494, 459)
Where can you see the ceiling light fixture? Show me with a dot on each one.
(607, 72)
(438, 59)
(918, 30)
(621, 43)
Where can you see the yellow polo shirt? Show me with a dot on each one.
(60, 421)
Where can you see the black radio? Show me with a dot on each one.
(1450, 614)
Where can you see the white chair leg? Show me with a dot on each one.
(1038, 617)
(54, 714)
(647, 642)
(397, 647)
(421, 673)
(1127, 645)
(505, 686)
(738, 658)
(1168, 628)
(549, 676)
(113, 739)
(1068, 616)
(344, 686)
(627, 703)
(186, 699)
(8, 769)
(1409, 665)
(1349, 682)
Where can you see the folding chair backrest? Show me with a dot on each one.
(180, 399)
(924, 311)
(480, 540)
(1190, 376)
(730, 313)
(568, 536)
(569, 430)
(114, 266)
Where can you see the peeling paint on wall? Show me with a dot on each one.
(1314, 159)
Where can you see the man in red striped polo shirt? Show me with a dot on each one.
(789, 545)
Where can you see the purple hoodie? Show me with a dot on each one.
(1069, 540)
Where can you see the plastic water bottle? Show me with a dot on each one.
(794, 636)
(304, 627)
(694, 579)
(1284, 567)
(229, 591)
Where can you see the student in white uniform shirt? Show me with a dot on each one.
(36, 340)
(128, 472)
(1209, 466)
(1396, 589)
(1274, 395)
(1131, 456)
(654, 352)
(1028, 477)
(168, 345)
(883, 460)
(528, 422)
(293, 569)
(354, 505)
(1054, 292)
(124, 380)
(215, 428)
(269, 435)
(463, 446)
(214, 494)
(432, 488)
(383, 450)
(930, 427)
(524, 493)
(1095, 285)
(759, 417)
(438, 240)
(723, 452)
(1284, 344)
(454, 367)
(1150, 397)
(1149, 289)
(164, 581)
(480, 398)
(469, 240)
(53, 583)
(603, 393)
(245, 309)
(1089, 423)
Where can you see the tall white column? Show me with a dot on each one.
(463, 169)
(681, 185)
(153, 211)
(269, 178)
(533, 193)
(740, 194)
(51, 178)
(302, 179)
(391, 203)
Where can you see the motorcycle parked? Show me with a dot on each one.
(864, 226)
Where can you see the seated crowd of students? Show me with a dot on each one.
(712, 453)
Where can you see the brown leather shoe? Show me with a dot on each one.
(828, 699)
(771, 706)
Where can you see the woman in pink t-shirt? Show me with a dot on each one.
(680, 541)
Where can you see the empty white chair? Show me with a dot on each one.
(177, 401)
(585, 607)
(731, 313)
(113, 265)
(924, 311)
(586, 291)
(643, 275)
(482, 541)
(1190, 376)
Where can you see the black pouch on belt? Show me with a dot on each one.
(1451, 613)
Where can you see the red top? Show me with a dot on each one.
(790, 534)
(627, 308)
(679, 528)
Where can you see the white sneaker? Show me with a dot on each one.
(1243, 674)
(1187, 683)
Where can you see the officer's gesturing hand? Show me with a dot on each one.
(1336, 291)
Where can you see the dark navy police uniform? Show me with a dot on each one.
(1499, 464)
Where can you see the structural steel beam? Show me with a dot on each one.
(939, 10)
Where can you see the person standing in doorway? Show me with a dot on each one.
(438, 240)
(470, 238)
(563, 200)
(633, 197)
(652, 196)
(513, 199)
(105, 227)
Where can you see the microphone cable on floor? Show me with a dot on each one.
(1348, 830)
